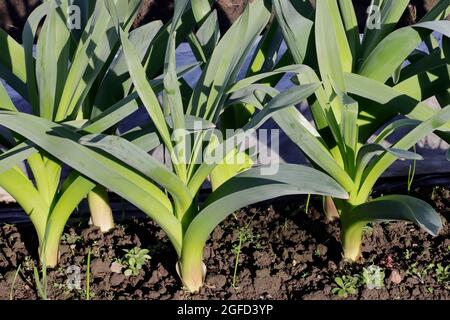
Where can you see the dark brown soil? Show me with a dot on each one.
(286, 254)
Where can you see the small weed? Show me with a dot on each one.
(134, 260)
(419, 273)
(368, 230)
(11, 293)
(346, 285)
(407, 254)
(317, 253)
(373, 277)
(443, 275)
(71, 238)
(245, 236)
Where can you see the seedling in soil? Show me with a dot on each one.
(419, 273)
(134, 260)
(411, 172)
(41, 284)
(317, 253)
(71, 238)
(407, 254)
(373, 276)
(88, 276)
(307, 203)
(368, 230)
(11, 293)
(245, 236)
(347, 285)
(443, 275)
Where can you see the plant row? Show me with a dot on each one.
(83, 83)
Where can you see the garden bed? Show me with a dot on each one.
(286, 254)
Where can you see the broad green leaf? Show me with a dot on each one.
(139, 160)
(351, 27)
(390, 102)
(113, 115)
(249, 188)
(52, 61)
(200, 9)
(391, 12)
(242, 84)
(15, 156)
(437, 11)
(398, 207)
(144, 137)
(117, 82)
(5, 101)
(291, 21)
(288, 98)
(28, 40)
(393, 127)
(390, 53)
(226, 61)
(12, 64)
(292, 122)
(62, 143)
(144, 89)
(333, 51)
(373, 172)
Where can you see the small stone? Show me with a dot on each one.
(395, 277)
(99, 268)
(117, 279)
(116, 267)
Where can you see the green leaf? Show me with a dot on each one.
(435, 122)
(437, 11)
(291, 21)
(395, 126)
(12, 64)
(28, 40)
(139, 160)
(390, 53)
(117, 83)
(15, 156)
(249, 188)
(225, 63)
(398, 207)
(61, 143)
(296, 127)
(333, 50)
(144, 89)
(351, 27)
(288, 98)
(391, 12)
(244, 83)
(52, 60)
(5, 101)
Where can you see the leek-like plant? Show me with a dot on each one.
(169, 194)
(364, 86)
(77, 77)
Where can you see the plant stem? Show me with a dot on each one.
(11, 293)
(101, 212)
(330, 209)
(88, 276)
(307, 203)
(351, 236)
(411, 173)
(237, 260)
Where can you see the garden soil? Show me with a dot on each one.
(286, 254)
